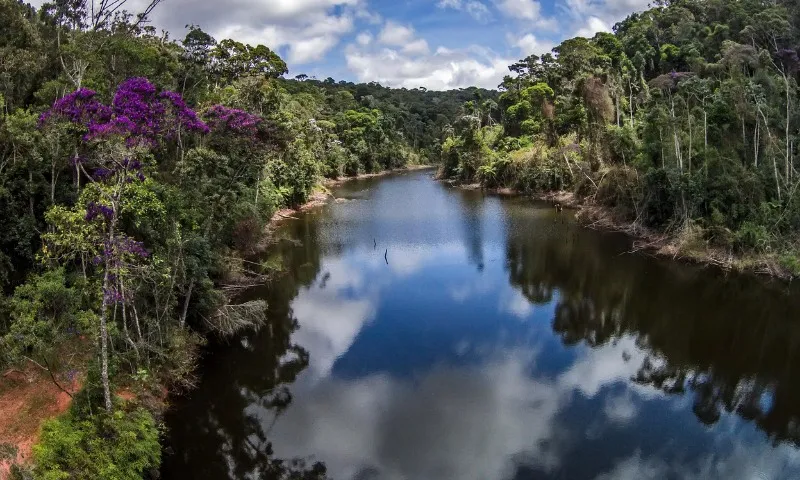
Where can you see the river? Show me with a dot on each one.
(426, 332)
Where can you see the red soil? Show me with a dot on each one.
(27, 399)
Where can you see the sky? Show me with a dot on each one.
(436, 44)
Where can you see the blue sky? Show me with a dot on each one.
(437, 44)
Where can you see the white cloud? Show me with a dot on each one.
(395, 34)
(417, 47)
(468, 423)
(529, 44)
(620, 409)
(609, 11)
(741, 462)
(306, 30)
(515, 303)
(592, 27)
(369, 17)
(329, 322)
(478, 10)
(442, 70)
(312, 49)
(364, 38)
(606, 365)
(599, 15)
(520, 9)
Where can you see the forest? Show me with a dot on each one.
(681, 124)
(139, 172)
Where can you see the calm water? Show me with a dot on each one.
(495, 340)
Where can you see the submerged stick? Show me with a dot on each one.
(386, 256)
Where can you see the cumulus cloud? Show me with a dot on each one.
(740, 462)
(592, 26)
(515, 303)
(309, 31)
(417, 47)
(442, 69)
(521, 9)
(395, 34)
(609, 11)
(468, 424)
(364, 38)
(620, 409)
(578, 18)
(330, 322)
(478, 10)
(529, 44)
(304, 30)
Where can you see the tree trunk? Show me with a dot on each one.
(756, 141)
(104, 339)
(788, 120)
(186, 304)
(630, 101)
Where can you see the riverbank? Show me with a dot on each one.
(686, 246)
(410, 168)
(29, 397)
(323, 195)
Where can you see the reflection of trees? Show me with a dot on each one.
(471, 206)
(222, 429)
(730, 342)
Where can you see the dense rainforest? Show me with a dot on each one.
(138, 173)
(683, 123)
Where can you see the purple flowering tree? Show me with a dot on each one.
(114, 140)
(225, 119)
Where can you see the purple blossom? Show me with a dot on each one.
(121, 245)
(138, 113)
(102, 173)
(112, 295)
(133, 247)
(79, 107)
(184, 115)
(95, 210)
(238, 121)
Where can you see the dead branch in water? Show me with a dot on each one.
(230, 319)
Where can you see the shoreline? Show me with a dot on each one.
(681, 248)
(333, 182)
(322, 195)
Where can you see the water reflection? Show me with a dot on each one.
(501, 341)
(731, 342)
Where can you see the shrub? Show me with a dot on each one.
(661, 198)
(119, 446)
(43, 312)
(751, 236)
(621, 189)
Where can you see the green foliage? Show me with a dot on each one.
(44, 312)
(685, 116)
(120, 446)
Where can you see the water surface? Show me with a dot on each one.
(425, 332)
